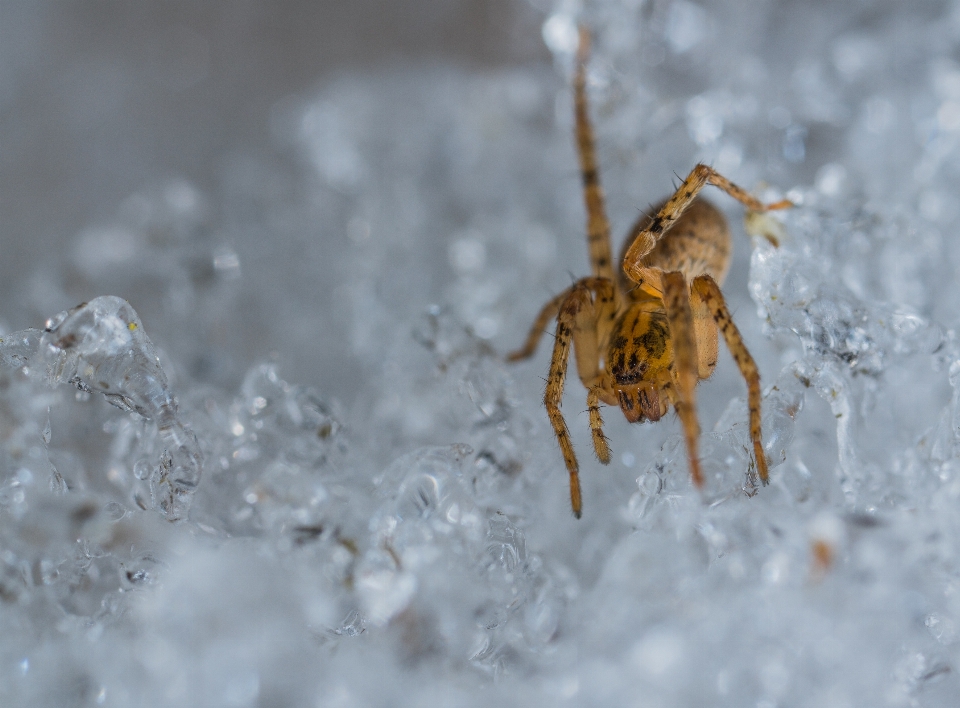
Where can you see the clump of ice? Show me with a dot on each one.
(100, 347)
(383, 515)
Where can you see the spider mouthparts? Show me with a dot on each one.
(630, 405)
(650, 402)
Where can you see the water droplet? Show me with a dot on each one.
(142, 469)
(115, 511)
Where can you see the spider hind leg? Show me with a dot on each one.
(707, 290)
(677, 302)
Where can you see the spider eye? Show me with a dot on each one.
(629, 372)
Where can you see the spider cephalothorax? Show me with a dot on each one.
(643, 336)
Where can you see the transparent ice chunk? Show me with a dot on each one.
(101, 347)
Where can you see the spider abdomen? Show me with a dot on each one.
(697, 244)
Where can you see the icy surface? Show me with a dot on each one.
(389, 524)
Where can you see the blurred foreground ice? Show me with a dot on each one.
(413, 545)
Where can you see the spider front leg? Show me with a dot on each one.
(576, 323)
(547, 313)
(706, 289)
(699, 177)
(598, 226)
(676, 299)
(592, 325)
(605, 306)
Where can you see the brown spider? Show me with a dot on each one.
(645, 336)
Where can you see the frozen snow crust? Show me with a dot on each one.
(203, 543)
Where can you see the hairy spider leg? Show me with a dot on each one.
(676, 300)
(547, 313)
(575, 303)
(706, 289)
(598, 226)
(579, 321)
(605, 301)
(649, 278)
(598, 245)
(600, 444)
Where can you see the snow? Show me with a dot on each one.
(319, 483)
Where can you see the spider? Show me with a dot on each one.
(645, 336)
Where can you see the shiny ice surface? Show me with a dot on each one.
(382, 516)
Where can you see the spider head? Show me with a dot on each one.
(637, 395)
(638, 356)
(635, 383)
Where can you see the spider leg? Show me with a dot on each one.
(573, 325)
(706, 289)
(539, 326)
(598, 227)
(676, 299)
(605, 305)
(600, 445)
(592, 326)
(699, 177)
